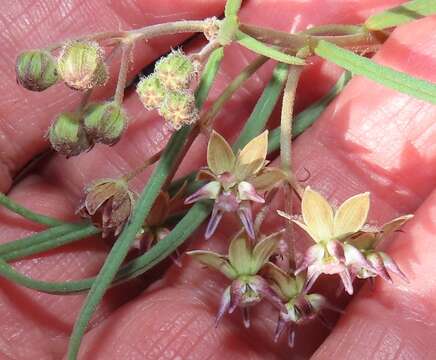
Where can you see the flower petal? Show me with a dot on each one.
(213, 223)
(159, 210)
(313, 254)
(246, 217)
(377, 262)
(392, 266)
(220, 157)
(281, 326)
(351, 215)
(363, 240)
(269, 178)
(247, 191)
(347, 281)
(312, 275)
(394, 224)
(354, 257)
(237, 290)
(259, 284)
(215, 261)
(209, 191)
(224, 305)
(317, 215)
(252, 157)
(286, 284)
(336, 249)
(263, 251)
(240, 255)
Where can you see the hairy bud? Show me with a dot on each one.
(175, 71)
(67, 135)
(36, 70)
(105, 123)
(81, 65)
(179, 109)
(151, 92)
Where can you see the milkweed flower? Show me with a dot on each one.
(236, 180)
(242, 266)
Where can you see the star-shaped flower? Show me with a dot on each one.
(242, 266)
(236, 180)
(330, 229)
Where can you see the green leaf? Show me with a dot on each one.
(264, 107)
(400, 81)
(119, 250)
(401, 14)
(307, 117)
(262, 49)
(26, 213)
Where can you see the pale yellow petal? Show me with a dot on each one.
(395, 224)
(263, 251)
(220, 157)
(268, 179)
(351, 215)
(214, 260)
(252, 157)
(240, 255)
(317, 215)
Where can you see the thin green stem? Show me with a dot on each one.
(28, 214)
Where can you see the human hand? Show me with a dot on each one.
(370, 138)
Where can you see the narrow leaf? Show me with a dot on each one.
(386, 76)
(262, 49)
(401, 14)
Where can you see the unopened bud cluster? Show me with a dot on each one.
(80, 65)
(168, 90)
(72, 133)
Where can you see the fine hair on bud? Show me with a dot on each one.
(105, 123)
(36, 70)
(175, 71)
(179, 109)
(67, 135)
(151, 92)
(81, 65)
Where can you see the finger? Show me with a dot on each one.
(26, 115)
(394, 321)
(338, 185)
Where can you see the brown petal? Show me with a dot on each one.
(252, 157)
(220, 157)
(215, 261)
(351, 215)
(269, 178)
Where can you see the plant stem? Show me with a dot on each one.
(28, 214)
(122, 75)
(150, 161)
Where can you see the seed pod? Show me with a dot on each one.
(67, 135)
(81, 65)
(105, 123)
(151, 92)
(36, 70)
(175, 71)
(179, 109)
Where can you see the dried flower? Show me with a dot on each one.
(151, 92)
(368, 240)
(179, 109)
(105, 123)
(332, 254)
(109, 203)
(236, 180)
(175, 71)
(36, 70)
(242, 266)
(67, 135)
(299, 306)
(81, 65)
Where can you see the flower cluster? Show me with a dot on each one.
(236, 180)
(342, 245)
(168, 89)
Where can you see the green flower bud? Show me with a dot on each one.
(81, 65)
(175, 71)
(105, 123)
(36, 70)
(151, 92)
(179, 109)
(67, 135)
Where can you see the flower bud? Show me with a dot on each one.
(67, 135)
(179, 109)
(81, 65)
(151, 92)
(36, 70)
(105, 123)
(175, 71)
